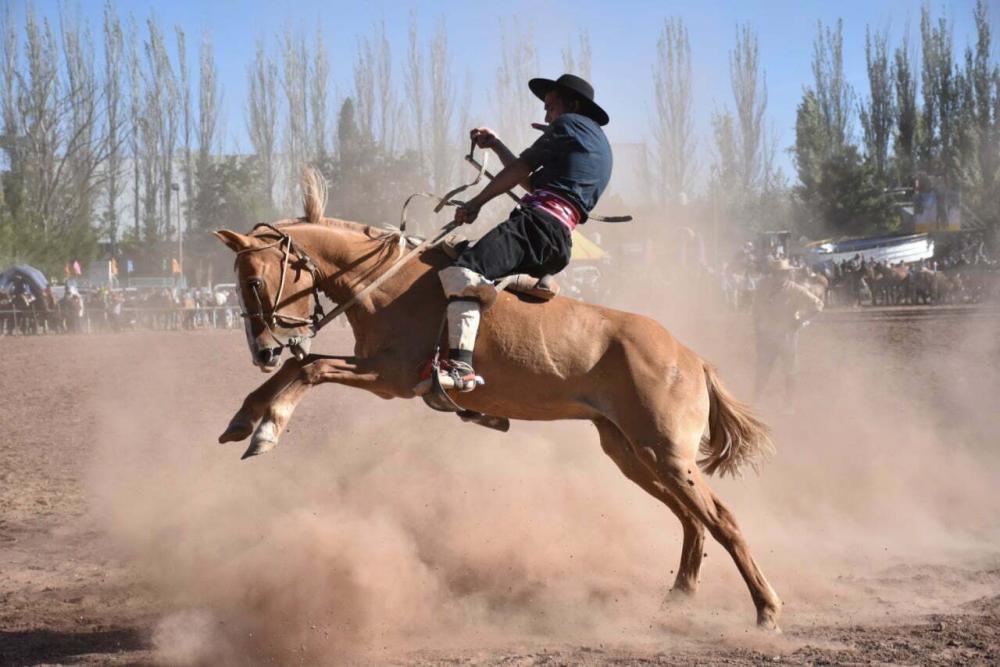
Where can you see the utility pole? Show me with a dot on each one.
(180, 236)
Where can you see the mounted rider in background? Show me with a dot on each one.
(564, 171)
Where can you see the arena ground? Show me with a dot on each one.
(382, 533)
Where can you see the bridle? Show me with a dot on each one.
(272, 319)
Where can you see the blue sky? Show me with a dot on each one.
(623, 37)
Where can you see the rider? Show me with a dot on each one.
(564, 171)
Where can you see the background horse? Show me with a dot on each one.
(654, 402)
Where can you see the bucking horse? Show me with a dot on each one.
(661, 412)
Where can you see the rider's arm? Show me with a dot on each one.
(505, 154)
(508, 158)
(486, 138)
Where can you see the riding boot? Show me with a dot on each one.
(469, 293)
(463, 317)
(455, 371)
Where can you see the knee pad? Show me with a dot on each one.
(461, 283)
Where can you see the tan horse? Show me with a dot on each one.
(655, 403)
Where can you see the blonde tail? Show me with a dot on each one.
(736, 438)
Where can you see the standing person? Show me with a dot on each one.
(71, 307)
(24, 319)
(564, 171)
(117, 302)
(6, 314)
(781, 308)
(51, 309)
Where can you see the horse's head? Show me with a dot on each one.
(275, 280)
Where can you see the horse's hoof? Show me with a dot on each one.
(677, 597)
(264, 440)
(258, 447)
(767, 620)
(239, 428)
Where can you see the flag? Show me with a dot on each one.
(76, 268)
(114, 267)
(175, 266)
(66, 270)
(129, 266)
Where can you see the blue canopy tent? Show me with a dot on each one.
(26, 275)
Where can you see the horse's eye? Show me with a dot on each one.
(255, 283)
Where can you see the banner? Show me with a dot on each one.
(76, 268)
(175, 266)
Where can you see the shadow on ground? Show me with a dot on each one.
(32, 647)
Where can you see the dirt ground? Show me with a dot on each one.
(382, 533)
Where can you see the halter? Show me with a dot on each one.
(272, 319)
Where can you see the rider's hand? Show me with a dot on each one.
(484, 137)
(466, 214)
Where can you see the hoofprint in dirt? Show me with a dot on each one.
(380, 533)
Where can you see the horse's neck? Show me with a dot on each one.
(350, 260)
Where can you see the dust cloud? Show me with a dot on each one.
(377, 530)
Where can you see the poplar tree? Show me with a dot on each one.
(878, 113)
(262, 117)
(442, 91)
(115, 116)
(516, 106)
(673, 125)
(907, 116)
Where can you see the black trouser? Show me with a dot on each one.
(529, 241)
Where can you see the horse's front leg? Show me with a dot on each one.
(257, 402)
(350, 371)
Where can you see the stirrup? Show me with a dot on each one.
(451, 374)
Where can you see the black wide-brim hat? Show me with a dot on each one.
(575, 85)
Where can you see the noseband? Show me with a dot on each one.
(272, 319)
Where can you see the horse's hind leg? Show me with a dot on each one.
(684, 480)
(616, 445)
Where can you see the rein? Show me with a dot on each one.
(446, 200)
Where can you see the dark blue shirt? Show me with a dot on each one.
(573, 160)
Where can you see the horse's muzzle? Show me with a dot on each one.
(267, 358)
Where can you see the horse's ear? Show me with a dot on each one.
(234, 241)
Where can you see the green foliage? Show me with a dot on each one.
(844, 198)
(231, 195)
(838, 192)
(878, 113)
(24, 236)
(6, 230)
(937, 146)
(979, 126)
(906, 120)
(812, 144)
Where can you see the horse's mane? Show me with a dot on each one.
(314, 198)
(313, 194)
